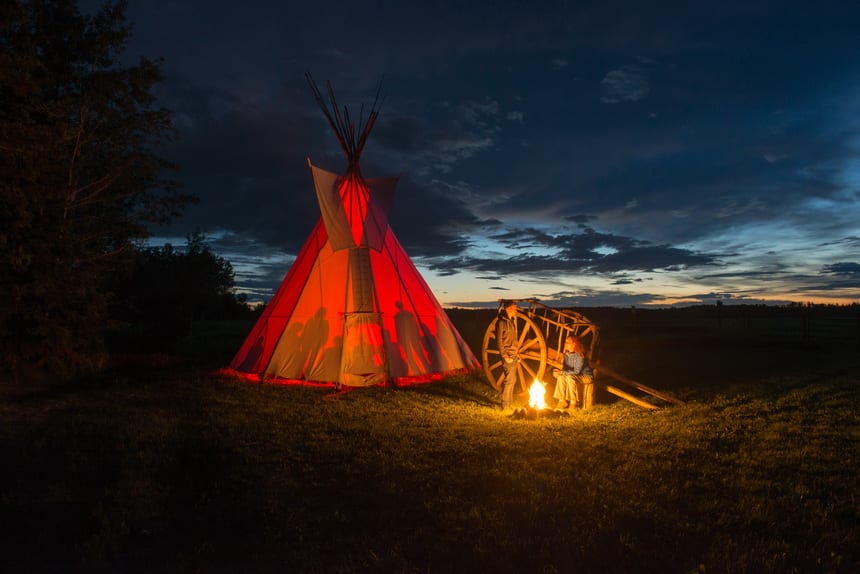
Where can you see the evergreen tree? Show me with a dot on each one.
(79, 181)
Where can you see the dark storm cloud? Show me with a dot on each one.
(624, 281)
(651, 129)
(249, 162)
(850, 242)
(436, 142)
(844, 269)
(846, 276)
(586, 252)
(246, 161)
(605, 252)
(579, 218)
(756, 274)
(430, 223)
(674, 184)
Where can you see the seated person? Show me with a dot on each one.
(573, 376)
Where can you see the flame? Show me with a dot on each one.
(536, 395)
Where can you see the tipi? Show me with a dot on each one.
(353, 310)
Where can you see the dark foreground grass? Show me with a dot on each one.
(179, 470)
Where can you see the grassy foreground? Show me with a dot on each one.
(182, 470)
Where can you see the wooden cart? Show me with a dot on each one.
(542, 331)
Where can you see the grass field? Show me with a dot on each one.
(178, 469)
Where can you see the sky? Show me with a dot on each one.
(605, 153)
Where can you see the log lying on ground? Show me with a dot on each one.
(631, 398)
(636, 384)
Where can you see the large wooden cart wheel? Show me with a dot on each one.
(532, 363)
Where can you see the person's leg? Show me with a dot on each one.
(565, 394)
(508, 384)
(558, 393)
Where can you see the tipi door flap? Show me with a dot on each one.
(363, 361)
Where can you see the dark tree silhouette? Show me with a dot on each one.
(78, 179)
(169, 289)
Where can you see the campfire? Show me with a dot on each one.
(537, 394)
(537, 404)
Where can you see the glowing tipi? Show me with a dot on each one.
(353, 310)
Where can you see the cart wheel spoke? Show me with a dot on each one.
(532, 375)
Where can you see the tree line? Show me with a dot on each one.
(81, 188)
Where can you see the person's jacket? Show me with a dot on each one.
(506, 336)
(575, 364)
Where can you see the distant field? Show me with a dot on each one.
(176, 469)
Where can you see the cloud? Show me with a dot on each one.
(589, 298)
(478, 113)
(846, 274)
(580, 219)
(721, 152)
(844, 269)
(425, 146)
(628, 84)
(247, 162)
(515, 117)
(543, 254)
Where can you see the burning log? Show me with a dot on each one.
(537, 405)
(532, 414)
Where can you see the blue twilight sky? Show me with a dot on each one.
(584, 153)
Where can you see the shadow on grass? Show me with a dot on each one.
(470, 389)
